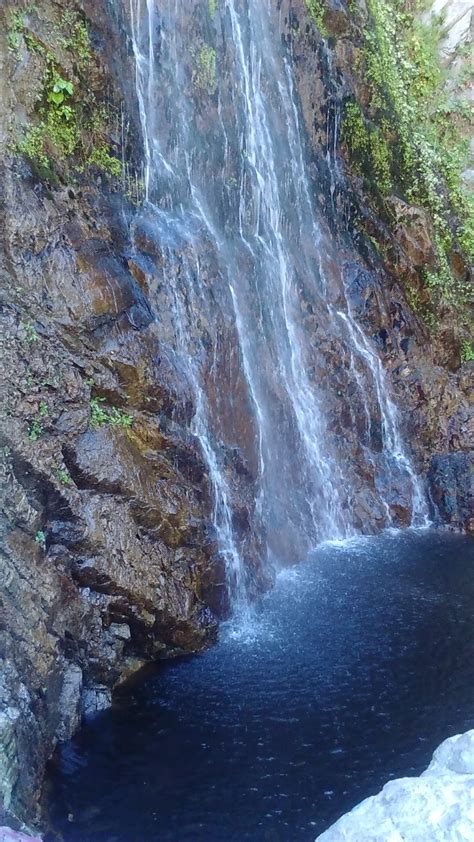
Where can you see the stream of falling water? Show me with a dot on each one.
(243, 192)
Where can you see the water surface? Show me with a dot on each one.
(355, 668)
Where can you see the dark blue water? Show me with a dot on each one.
(358, 664)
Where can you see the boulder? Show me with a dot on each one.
(436, 807)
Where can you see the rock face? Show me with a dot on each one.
(108, 558)
(431, 385)
(436, 807)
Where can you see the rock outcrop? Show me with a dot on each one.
(436, 807)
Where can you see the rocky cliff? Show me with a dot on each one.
(421, 323)
(109, 558)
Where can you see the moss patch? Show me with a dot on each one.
(205, 77)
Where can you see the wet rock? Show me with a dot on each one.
(436, 807)
(95, 699)
(69, 701)
(336, 19)
(9, 835)
(413, 232)
(451, 480)
(106, 561)
(424, 371)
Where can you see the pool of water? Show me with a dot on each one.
(353, 669)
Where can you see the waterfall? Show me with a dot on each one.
(249, 280)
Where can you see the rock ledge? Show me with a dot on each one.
(436, 807)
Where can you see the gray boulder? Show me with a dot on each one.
(436, 807)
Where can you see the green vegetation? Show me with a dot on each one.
(467, 351)
(15, 30)
(212, 6)
(100, 157)
(63, 476)
(77, 40)
(205, 72)
(316, 10)
(410, 138)
(101, 415)
(69, 130)
(40, 539)
(36, 428)
(30, 333)
(368, 146)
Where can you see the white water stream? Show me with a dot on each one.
(241, 191)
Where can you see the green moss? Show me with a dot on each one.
(316, 10)
(354, 131)
(212, 7)
(381, 160)
(368, 148)
(205, 72)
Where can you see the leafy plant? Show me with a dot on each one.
(101, 415)
(15, 29)
(69, 127)
(316, 10)
(60, 89)
(407, 138)
(467, 351)
(77, 40)
(30, 333)
(40, 539)
(35, 430)
(63, 476)
(101, 158)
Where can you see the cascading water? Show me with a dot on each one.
(255, 302)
